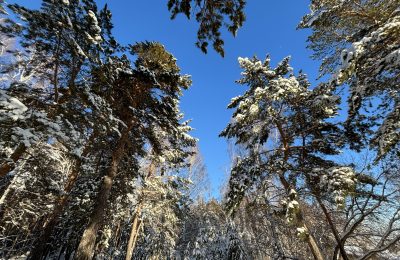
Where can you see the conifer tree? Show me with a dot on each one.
(58, 55)
(66, 47)
(358, 43)
(145, 99)
(208, 232)
(279, 102)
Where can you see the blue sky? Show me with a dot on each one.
(270, 28)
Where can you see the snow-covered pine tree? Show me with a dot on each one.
(56, 56)
(162, 198)
(284, 126)
(163, 202)
(359, 45)
(89, 91)
(145, 100)
(60, 53)
(31, 196)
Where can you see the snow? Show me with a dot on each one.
(302, 232)
(92, 16)
(78, 151)
(351, 55)
(259, 93)
(313, 17)
(281, 88)
(239, 117)
(257, 129)
(78, 48)
(11, 107)
(42, 118)
(393, 58)
(25, 136)
(293, 205)
(336, 181)
(254, 110)
(96, 38)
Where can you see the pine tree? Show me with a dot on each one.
(358, 42)
(144, 98)
(58, 55)
(163, 206)
(36, 186)
(278, 101)
(63, 50)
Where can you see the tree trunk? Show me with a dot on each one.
(333, 228)
(5, 168)
(136, 222)
(56, 69)
(86, 246)
(8, 166)
(134, 233)
(312, 244)
(5, 195)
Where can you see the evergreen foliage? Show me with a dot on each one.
(97, 160)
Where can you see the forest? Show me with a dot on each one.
(98, 160)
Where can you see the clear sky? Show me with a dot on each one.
(270, 28)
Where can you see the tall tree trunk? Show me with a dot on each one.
(134, 232)
(86, 246)
(6, 167)
(312, 243)
(56, 68)
(333, 228)
(136, 222)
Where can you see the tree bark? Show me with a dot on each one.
(134, 233)
(87, 243)
(56, 69)
(333, 228)
(136, 222)
(7, 166)
(312, 244)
